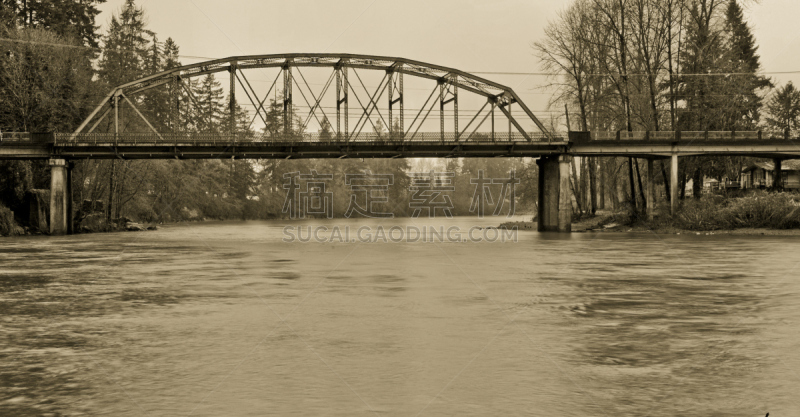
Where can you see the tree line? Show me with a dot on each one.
(689, 65)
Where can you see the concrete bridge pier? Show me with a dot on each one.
(777, 183)
(673, 184)
(59, 197)
(651, 189)
(555, 196)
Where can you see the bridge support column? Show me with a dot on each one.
(777, 184)
(70, 208)
(59, 206)
(651, 190)
(555, 199)
(673, 184)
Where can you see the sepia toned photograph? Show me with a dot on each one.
(399, 208)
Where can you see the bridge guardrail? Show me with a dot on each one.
(33, 138)
(15, 137)
(686, 135)
(224, 139)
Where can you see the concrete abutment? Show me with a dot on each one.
(60, 197)
(555, 197)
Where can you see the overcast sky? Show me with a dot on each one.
(471, 35)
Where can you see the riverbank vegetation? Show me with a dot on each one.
(751, 211)
(760, 210)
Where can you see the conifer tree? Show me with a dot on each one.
(783, 109)
(125, 46)
(744, 85)
(210, 108)
(67, 18)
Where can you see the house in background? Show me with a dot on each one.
(760, 174)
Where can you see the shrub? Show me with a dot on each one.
(775, 211)
(8, 226)
(701, 214)
(759, 210)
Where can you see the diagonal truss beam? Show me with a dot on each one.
(317, 100)
(302, 94)
(473, 119)
(373, 105)
(142, 116)
(421, 109)
(266, 97)
(514, 122)
(253, 102)
(373, 101)
(100, 119)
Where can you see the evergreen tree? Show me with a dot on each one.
(744, 85)
(783, 109)
(171, 60)
(171, 55)
(67, 18)
(242, 126)
(210, 109)
(156, 100)
(379, 129)
(125, 47)
(274, 121)
(325, 131)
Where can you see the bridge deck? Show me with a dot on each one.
(214, 146)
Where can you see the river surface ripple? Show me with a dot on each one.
(225, 319)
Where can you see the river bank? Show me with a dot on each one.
(760, 213)
(606, 222)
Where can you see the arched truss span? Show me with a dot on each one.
(448, 83)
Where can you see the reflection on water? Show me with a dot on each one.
(225, 319)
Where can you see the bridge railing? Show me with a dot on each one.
(225, 139)
(671, 136)
(24, 138)
(15, 137)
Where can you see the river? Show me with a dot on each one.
(227, 319)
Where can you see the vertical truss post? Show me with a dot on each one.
(287, 99)
(345, 100)
(172, 104)
(391, 97)
(232, 97)
(455, 107)
(338, 72)
(116, 117)
(441, 108)
(396, 84)
(509, 121)
(494, 104)
(402, 126)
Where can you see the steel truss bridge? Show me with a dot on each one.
(467, 126)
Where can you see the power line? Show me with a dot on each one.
(527, 74)
(611, 74)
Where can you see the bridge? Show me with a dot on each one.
(466, 126)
